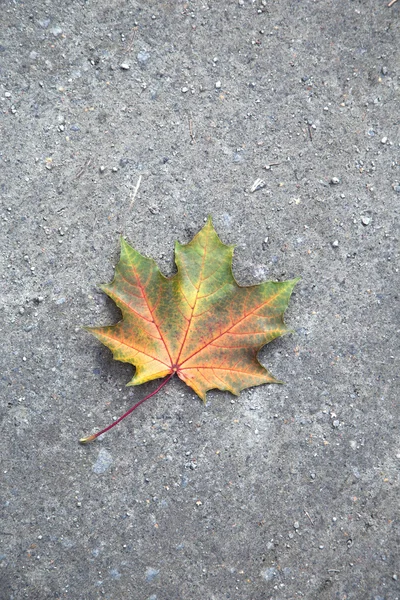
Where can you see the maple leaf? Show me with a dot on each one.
(199, 323)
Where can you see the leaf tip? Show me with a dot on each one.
(125, 247)
(294, 281)
(86, 328)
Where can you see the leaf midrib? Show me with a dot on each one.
(190, 319)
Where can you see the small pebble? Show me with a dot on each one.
(7, 94)
(124, 66)
(335, 180)
(384, 140)
(102, 169)
(384, 70)
(335, 244)
(56, 31)
(151, 574)
(296, 524)
(44, 23)
(184, 90)
(366, 220)
(142, 57)
(336, 423)
(218, 85)
(321, 547)
(103, 462)
(114, 169)
(21, 310)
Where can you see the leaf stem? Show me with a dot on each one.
(90, 438)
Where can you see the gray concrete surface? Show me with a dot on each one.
(288, 491)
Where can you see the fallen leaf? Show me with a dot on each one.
(199, 324)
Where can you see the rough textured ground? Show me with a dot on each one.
(288, 491)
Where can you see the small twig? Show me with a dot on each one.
(135, 191)
(309, 131)
(391, 3)
(191, 131)
(333, 570)
(268, 167)
(85, 166)
(307, 515)
(130, 45)
(257, 185)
